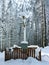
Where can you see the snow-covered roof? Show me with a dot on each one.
(16, 46)
(31, 46)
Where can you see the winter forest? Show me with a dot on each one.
(11, 23)
(24, 32)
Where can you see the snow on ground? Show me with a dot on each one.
(29, 61)
(45, 53)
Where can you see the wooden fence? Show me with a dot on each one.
(19, 53)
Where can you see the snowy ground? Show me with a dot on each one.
(45, 53)
(29, 61)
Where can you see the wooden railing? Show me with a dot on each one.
(19, 53)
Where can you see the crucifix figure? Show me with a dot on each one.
(24, 26)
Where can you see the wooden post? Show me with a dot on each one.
(34, 53)
(40, 55)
